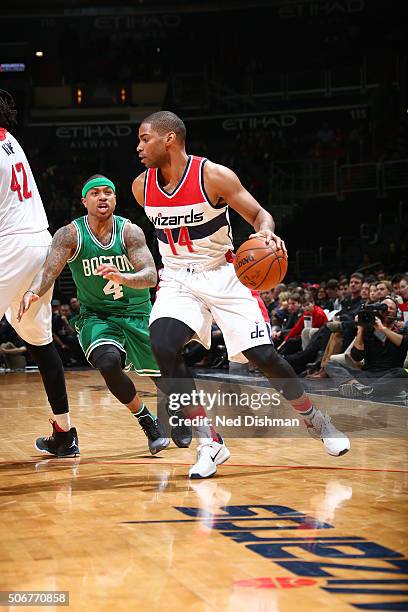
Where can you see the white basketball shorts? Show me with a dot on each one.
(199, 297)
(21, 257)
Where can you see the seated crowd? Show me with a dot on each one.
(351, 330)
(14, 354)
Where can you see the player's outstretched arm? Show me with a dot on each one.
(141, 259)
(222, 184)
(63, 247)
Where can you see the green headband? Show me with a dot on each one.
(97, 182)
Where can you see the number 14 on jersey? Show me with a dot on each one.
(184, 240)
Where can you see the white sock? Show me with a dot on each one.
(63, 421)
(204, 440)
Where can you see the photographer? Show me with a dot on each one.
(383, 351)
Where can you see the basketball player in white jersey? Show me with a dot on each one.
(187, 198)
(24, 244)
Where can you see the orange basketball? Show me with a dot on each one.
(260, 266)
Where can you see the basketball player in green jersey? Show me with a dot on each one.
(112, 269)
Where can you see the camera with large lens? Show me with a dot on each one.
(368, 313)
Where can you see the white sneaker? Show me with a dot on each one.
(209, 455)
(321, 428)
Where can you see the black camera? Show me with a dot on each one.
(368, 313)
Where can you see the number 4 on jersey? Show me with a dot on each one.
(183, 240)
(113, 289)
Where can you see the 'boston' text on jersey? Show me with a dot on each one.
(120, 261)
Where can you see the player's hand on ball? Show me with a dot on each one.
(110, 273)
(28, 298)
(269, 236)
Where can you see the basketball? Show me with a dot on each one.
(260, 266)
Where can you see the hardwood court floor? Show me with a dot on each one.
(283, 526)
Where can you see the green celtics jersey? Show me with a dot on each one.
(95, 293)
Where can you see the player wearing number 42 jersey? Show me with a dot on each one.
(24, 244)
(112, 269)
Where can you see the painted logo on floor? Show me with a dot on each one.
(326, 557)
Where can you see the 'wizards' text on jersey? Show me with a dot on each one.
(189, 228)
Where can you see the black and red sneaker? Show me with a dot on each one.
(60, 443)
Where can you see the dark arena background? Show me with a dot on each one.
(307, 102)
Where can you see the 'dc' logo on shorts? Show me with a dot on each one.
(257, 333)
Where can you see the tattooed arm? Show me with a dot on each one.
(141, 259)
(63, 247)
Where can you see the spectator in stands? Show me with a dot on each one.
(316, 318)
(281, 314)
(343, 288)
(323, 299)
(295, 312)
(384, 351)
(384, 288)
(365, 291)
(403, 292)
(74, 305)
(395, 280)
(347, 325)
(352, 303)
(333, 293)
(64, 336)
(311, 288)
(66, 315)
(276, 293)
(58, 333)
(373, 293)
(349, 309)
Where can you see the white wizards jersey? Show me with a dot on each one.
(189, 228)
(21, 208)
